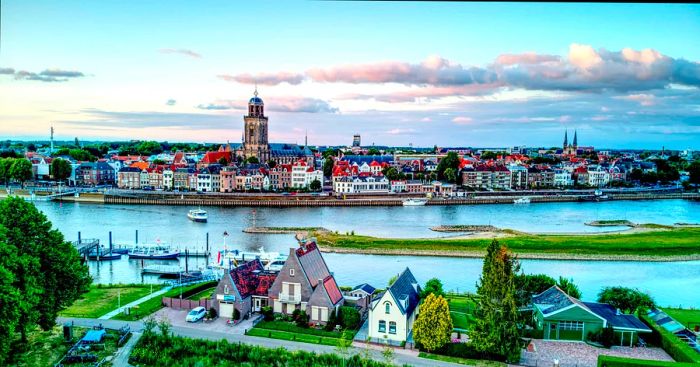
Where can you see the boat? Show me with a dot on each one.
(275, 265)
(597, 196)
(153, 252)
(414, 202)
(522, 200)
(198, 215)
(227, 259)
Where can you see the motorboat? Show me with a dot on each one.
(414, 202)
(198, 215)
(522, 200)
(275, 265)
(227, 259)
(153, 252)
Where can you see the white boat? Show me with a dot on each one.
(522, 200)
(153, 252)
(414, 202)
(275, 265)
(198, 215)
(227, 259)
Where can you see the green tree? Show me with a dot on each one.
(5, 165)
(628, 300)
(158, 162)
(328, 164)
(392, 280)
(495, 332)
(694, 172)
(433, 326)
(21, 170)
(149, 148)
(271, 163)
(527, 285)
(432, 286)
(391, 174)
(252, 160)
(10, 296)
(451, 175)
(60, 169)
(373, 151)
(450, 161)
(81, 155)
(315, 185)
(568, 286)
(48, 272)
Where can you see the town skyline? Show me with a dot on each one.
(520, 79)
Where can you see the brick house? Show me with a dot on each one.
(306, 284)
(244, 288)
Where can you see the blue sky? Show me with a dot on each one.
(624, 75)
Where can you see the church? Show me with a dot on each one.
(570, 149)
(255, 139)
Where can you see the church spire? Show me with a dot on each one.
(575, 139)
(566, 138)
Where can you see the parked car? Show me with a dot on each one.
(196, 314)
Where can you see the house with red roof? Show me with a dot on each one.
(213, 158)
(244, 288)
(305, 283)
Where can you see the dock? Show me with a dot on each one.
(167, 270)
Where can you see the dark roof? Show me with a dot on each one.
(256, 100)
(554, 299)
(252, 279)
(129, 169)
(312, 263)
(618, 320)
(284, 149)
(405, 291)
(365, 287)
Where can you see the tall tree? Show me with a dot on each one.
(451, 175)
(315, 185)
(433, 326)
(568, 286)
(628, 300)
(60, 168)
(9, 297)
(48, 271)
(694, 172)
(495, 333)
(527, 285)
(450, 161)
(21, 170)
(328, 166)
(432, 286)
(5, 164)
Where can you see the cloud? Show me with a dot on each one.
(398, 131)
(462, 120)
(264, 78)
(525, 58)
(48, 75)
(180, 51)
(61, 73)
(171, 102)
(9, 71)
(93, 118)
(644, 99)
(276, 104)
(435, 71)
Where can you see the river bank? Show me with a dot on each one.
(642, 243)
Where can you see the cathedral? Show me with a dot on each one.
(570, 149)
(255, 139)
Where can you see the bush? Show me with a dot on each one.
(676, 348)
(610, 361)
(268, 314)
(607, 336)
(236, 314)
(332, 321)
(212, 313)
(349, 317)
(302, 320)
(468, 351)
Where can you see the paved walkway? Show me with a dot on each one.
(139, 301)
(122, 357)
(580, 354)
(200, 331)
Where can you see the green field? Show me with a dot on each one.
(105, 298)
(207, 293)
(464, 361)
(652, 243)
(461, 311)
(288, 331)
(154, 304)
(687, 317)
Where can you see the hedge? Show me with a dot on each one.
(610, 361)
(291, 328)
(676, 348)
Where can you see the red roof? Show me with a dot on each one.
(375, 164)
(250, 279)
(332, 289)
(213, 157)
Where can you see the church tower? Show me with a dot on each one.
(255, 143)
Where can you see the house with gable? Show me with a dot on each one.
(562, 317)
(393, 312)
(244, 288)
(305, 283)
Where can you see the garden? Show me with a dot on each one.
(154, 304)
(462, 307)
(101, 299)
(338, 330)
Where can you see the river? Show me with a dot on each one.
(676, 283)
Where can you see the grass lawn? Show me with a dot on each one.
(45, 348)
(207, 293)
(100, 300)
(687, 317)
(289, 331)
(662, 242)
(156, 303)
(285, 335)
(461, 309)
(465, 361)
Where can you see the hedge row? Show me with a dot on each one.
(676, 348)
(610, 361)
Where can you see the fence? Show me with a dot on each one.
(186, 304)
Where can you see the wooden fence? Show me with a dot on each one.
(186, 304)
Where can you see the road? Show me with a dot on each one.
(401, 357)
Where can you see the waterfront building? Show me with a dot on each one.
(397, 186)
(356, 140)
(95, 173)
(562, 178)
(129, 178)
(305, 283)
(598, 176)
(361, 185)
(281, 177)
(244, 288)
(168, 179)
(303, 174)
(562, 317)
(518, 177)
(487, 176)
(393, 312)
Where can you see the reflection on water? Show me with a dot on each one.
(668, 282)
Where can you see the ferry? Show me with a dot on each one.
(198, 215)
(153, 252)
(522, 200)
(414, 202)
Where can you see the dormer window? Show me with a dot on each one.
(291, 272)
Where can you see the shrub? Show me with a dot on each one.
(611, 361)
(302, 320)
(349, 317)
(676, 348)
(212, 313)
(268, 314)
(236, 314)
(466, 350)
(607, 336)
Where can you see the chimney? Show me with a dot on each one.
(617, 312)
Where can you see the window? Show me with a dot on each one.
(225, 288)
(392, 327)
(291, 272)
(570, 325)
(382, 326)
(387, 307)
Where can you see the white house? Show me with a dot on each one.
(354, 185)
(393, 312)
(597, 176)
(562, 178)
(168, 179)
(303, 174)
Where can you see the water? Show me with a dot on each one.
(670, 283)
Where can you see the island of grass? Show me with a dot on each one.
(281, 230)
(610, 223)
(643, 243)
(465, 228)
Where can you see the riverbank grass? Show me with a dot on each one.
(101, 299)
(653, 243)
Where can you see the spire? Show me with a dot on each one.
(256, 89)
(566, 138)
(306, 138)
(575, 138)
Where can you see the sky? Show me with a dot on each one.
(421, 74)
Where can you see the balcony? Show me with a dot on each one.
(290, 298)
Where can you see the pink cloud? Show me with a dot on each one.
(264, 78)
(462, 120)
(525, 58)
